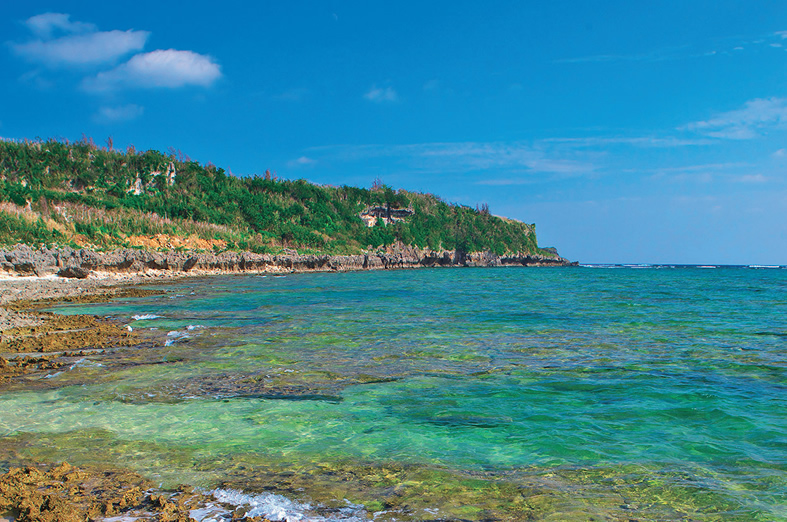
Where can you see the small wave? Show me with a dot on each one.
(145, 317)
(178, 335)
(175, 336)
(273, 507)
(85, 363)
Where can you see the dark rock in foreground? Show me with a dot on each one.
(67, 262)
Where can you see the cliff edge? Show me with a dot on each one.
(22, 260)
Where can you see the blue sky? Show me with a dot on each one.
(627, 131)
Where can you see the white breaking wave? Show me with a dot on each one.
(145, 317)
(86, 363)
(274, 507)
(177, 335)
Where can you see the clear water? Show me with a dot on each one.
(547, 394)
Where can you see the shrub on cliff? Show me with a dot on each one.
(151, 192)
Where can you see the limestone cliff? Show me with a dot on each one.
(22, 260)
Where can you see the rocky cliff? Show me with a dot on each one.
(21, 260)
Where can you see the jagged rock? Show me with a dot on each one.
(67, 262)
(25, 261)
(76, 272)
(190, 263)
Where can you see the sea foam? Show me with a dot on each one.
(177, 335)
(274, 507)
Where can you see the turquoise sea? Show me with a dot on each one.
(612, 393)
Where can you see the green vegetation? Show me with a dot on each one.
(78, 193)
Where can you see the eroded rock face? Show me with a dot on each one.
(67, 262)
(74, 271)
(24, 260)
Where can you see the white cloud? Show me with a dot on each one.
(684, 52)
(44, 25)
(303, 161)
(482, 156)
(163, 68)
(380, 94)
(656, 55)
(432, 85)
(636, 141)
(60, 42)
(83, 49)
(502, 182)
(753, 178)
(119, 113)
(78, 43)
(516, 158)
(755, 117)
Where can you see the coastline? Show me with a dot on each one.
(34, 343)
(644, 488)
(29, 276)
(21, 260)
(54, 490)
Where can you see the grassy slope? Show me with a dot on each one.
(58, 193)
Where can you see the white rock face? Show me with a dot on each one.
(137, 186)
(170, 174)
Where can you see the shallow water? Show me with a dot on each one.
(549, 394)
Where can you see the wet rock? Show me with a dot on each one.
(67, 332)
(65, 493)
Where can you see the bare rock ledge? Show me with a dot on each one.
(21, 260)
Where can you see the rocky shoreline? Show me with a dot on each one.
(34, 278)
(33, 342)
(21, 260)
(65, 493)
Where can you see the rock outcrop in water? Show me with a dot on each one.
(68, 262)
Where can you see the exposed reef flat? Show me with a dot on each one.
(33, 341)
(66, 493)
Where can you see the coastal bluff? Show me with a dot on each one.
(22, 260)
